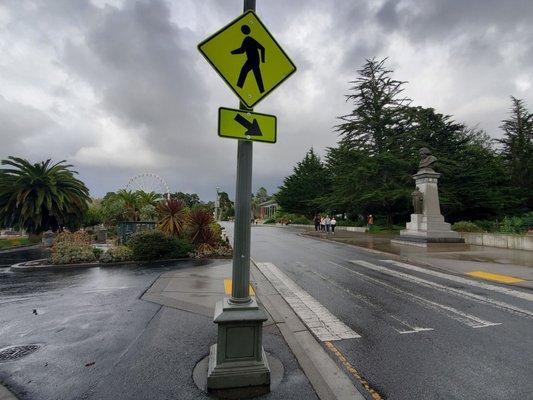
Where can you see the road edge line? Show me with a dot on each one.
(326, 377)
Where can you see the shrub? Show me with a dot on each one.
(466, 226)
(78, 237)
(511, 225)
(156, 245)
(117, 254)
(270, 221)
(72, 253)
(222, 250)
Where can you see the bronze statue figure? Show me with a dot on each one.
(426, 159)
(418, 201)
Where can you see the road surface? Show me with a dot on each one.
(415, 333)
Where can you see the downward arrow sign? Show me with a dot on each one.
(252, 127)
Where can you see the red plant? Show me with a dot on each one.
(172, 214)
(199, 222)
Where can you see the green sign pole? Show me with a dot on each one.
(243, 206)
(238, 360)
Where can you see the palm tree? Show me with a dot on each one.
(148, 198)
(130, 204)
(41, 196)
(172, 214)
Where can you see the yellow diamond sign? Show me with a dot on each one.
(248, 58)
(246, 125)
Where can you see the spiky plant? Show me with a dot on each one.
(41, 196)
(199, 223)
(172, 215)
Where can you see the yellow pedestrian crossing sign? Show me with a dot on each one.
(248, 58)
(246, 125)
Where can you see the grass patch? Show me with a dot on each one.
(14, 242)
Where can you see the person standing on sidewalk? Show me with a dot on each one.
(370, 222)
(322, 224)
(317, 222)
(327, 221)
(333, 223)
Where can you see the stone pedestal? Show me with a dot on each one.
(238, 358)
(428, 227)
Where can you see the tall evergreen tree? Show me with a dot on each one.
(301, 192)
(517, 149)
(373, 140)
(375, 125)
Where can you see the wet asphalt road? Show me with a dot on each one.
(100, 341)
(476, 349)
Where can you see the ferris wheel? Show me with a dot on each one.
(148, 182)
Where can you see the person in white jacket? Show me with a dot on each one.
(333, 223)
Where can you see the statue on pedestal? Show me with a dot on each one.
(426, 159)
(418, 201)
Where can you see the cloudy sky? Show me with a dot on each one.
(117, 87)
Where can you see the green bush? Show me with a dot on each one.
(512, 225)
(155, 245)
(72, 253)
(466, 226)
(117, 254)
(270, 221)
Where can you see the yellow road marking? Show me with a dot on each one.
(227, 287)
(375, 395)
(495, 277)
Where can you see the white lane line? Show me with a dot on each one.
(459, 316)
(398, 324)
(482, 285)
(449, 290)
(324, 325)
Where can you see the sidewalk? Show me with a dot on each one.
(488, 263)
(309, 371)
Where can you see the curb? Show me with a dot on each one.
(53, 267)
(24, 247)
(413, 261)
(328, 380)
(6, 394)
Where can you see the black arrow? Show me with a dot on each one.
(253, 127)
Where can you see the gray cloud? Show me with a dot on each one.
(118, 87)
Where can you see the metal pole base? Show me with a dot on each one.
(238, 359)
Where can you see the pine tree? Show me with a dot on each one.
(301, 191)
(517, 149)
(373, 140)
(375, 125)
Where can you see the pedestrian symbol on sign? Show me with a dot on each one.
(251, 47)
(248, 58)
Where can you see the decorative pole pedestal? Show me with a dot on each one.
(427, 225)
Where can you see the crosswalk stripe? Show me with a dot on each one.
(398, 324)
(324, 325)
(451, 312)
(458, 292)
(471, 282)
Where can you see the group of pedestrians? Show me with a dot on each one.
(325, 224)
